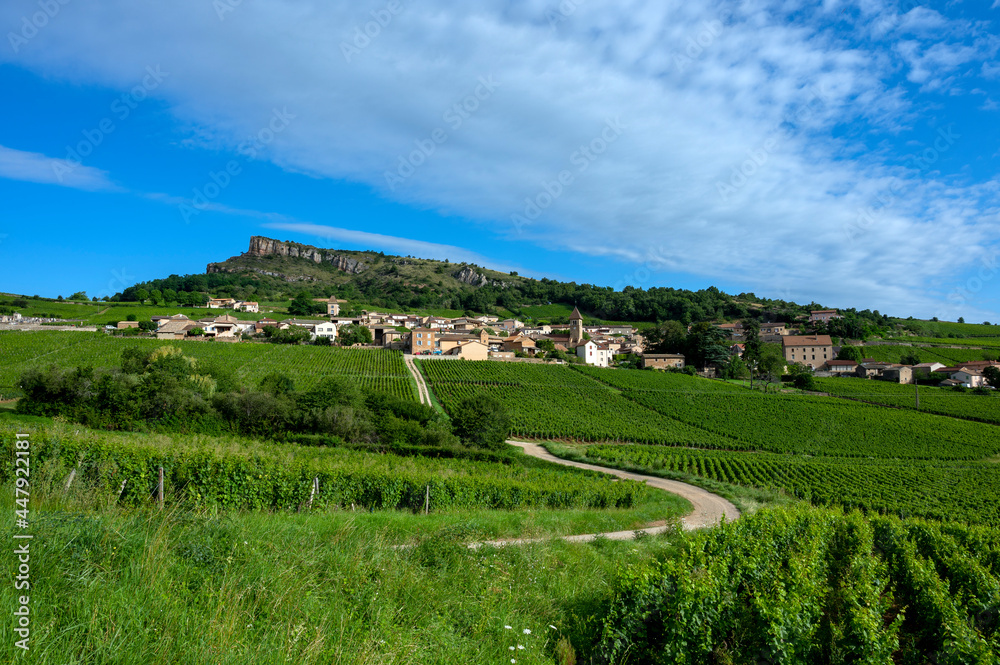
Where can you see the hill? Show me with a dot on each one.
(274, 270)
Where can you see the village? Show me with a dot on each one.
(488, 337)
(472, 338)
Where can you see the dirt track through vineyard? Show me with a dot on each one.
(709, 509)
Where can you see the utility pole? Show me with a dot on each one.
(916, 391)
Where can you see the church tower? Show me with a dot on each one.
(575, 327)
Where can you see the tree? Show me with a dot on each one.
(735, 368)
(911, 358)
(802, 376)
(196, 332)
(303, 305)
(291, 335)
(482, 422)
(706, 344)
(79, 295)
(772, 361)
(668, 337)
(851, 353)
(277, 384)
(992, 375)
(961, 319)
(142, 295)
(352, 334)
(752, 343)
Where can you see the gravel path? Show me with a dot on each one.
(709, 509)
(423, 393)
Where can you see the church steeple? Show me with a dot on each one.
(575, 327)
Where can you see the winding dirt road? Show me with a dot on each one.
(709, 509)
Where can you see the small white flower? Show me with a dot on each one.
(511, 648)
(553, 627)
(512, 660)
(507, 627)
(527, 631)
(520, 646)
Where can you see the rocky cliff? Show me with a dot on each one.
(261, 246)
(468, 275)
(472, 277)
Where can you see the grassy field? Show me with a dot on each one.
(373, 368)
(120, 586)
(241, 568)
(945, 328)
(927, 354)
(988, 343)
(116, 581)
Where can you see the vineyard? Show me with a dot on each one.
(657, 381)
(969, 491)
(593, 404)
(942, 401)
(985, 342)
(556, 402)
(505, 373)
(945, 328)
(893, 353)
(245, 475)
(376, 369)
(813, 586)
(824, 426)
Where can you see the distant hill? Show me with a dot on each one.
(275, 270)
(295, 262)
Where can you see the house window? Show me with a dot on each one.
(814, 357)
(420, 343)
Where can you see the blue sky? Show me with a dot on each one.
(844, 151)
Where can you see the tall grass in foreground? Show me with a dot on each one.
(144, 586)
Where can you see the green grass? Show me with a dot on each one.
(945, 328)
(182, 587)
(372, 368)
(555, 311)
(985, 342)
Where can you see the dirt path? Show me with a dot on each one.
(422, 392)
(709, 509)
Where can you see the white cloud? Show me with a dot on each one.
(36, 167)
(700, 90)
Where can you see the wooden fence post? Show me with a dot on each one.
(121, 489)
(159, 489)
(315, 488)
(427, 500)
(69, 481)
